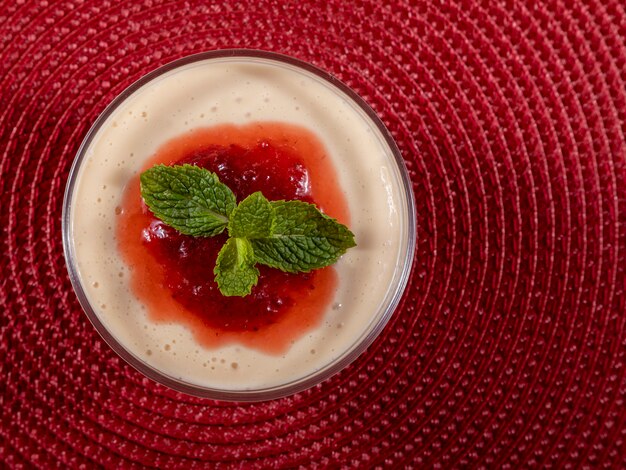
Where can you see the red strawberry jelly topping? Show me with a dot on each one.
(173, 273)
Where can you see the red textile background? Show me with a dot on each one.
(509, 348)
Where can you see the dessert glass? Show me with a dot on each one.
(382, 308)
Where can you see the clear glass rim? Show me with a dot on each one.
(400, 278)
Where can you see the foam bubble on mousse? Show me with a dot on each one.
(239, 91)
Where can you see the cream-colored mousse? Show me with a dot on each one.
(241, 90)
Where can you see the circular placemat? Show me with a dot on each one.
(509, 347)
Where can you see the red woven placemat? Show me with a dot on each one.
(509, 348)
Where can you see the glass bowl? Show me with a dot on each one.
(372, 276)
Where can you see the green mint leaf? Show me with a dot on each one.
(252, 218)
(234, 270)
(188, 198)
(302, 238)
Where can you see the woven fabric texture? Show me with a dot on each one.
(508, 349)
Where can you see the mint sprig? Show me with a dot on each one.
(292, 236)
